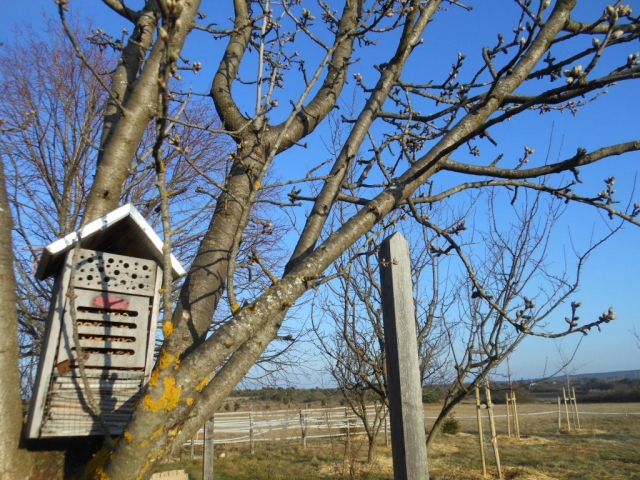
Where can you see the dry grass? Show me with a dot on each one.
(606, 447)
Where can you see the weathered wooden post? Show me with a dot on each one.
(494, 435)
(515, 414)
(566, 408)
(207, 461)
(386, 430)
(346, 419)
(303, 428)
(512, 414)
(575, 406)
(408, 440)
(480, 431)
(559, 415)
(508, 404)
(252, 441)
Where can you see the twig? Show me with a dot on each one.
(61, 9)
(259, 261)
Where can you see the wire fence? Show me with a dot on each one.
(279, 425)
(304, 424)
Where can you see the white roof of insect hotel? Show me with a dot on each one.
(123, 231)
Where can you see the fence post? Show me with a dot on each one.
(408, 439)
(191, 449)
(251, 439)
(207, 462)
(575, 406)
(566, 408)
(386, 421)
(303, 429)
(559, 415)
(494, 435)
(480, 431)
(515, 414)
(346, 417)
(507, 400)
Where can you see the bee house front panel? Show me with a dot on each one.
(114, 299)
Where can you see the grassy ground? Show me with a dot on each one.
(606, 447)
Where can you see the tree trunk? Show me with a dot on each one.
(15, 462)
(371, 449)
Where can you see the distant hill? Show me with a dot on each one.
(632, 374)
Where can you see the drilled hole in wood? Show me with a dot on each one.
(99, 323)
(106, 351)
(107, 311)
(106, 338)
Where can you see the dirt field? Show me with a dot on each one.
(606, 447)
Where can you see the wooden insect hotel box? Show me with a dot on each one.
(117, 276)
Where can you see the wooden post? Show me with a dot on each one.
(346, 419)
(575, 405)
(386, 421)
(507, 401)
(303, 429)
(566, 408)
(515, 414)
(191, 449)
(572, 408)
(408, 438)
(559, 415)
(480, 431)
(252, 441)
(207, 461)
(494, 436)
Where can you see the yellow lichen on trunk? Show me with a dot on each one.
(167, 328)
(157, 433)
(177, 364)
(202, 384)
(144, 469)
(165, 359)
(169, 400)
(154, 378)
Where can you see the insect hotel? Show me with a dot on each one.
(117, 276)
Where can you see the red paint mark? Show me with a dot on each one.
(111, 303)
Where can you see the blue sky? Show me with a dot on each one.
(611, 277)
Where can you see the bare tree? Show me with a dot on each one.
(509, 291)
(52, 108)
(419, 132)
(461, 336)
(347, 321)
